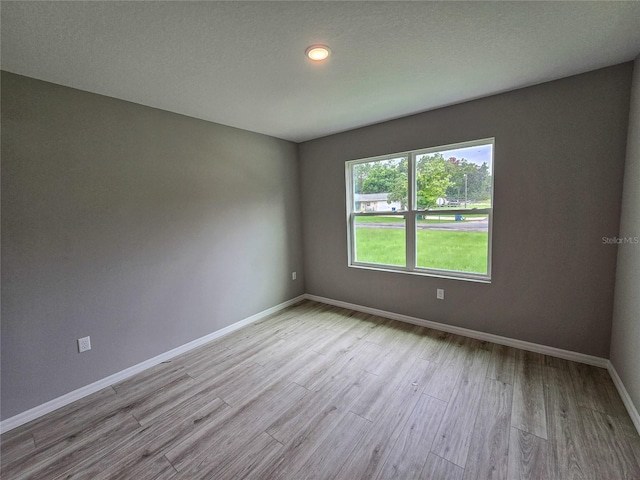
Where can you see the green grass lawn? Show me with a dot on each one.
(461, 251)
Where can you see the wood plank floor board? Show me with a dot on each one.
(220, 383)
(157, 405)
(556, 362)
(383, 400)
(443, 383)
(527, 457)
(251, 461)
(211, 349)
(196, 410)
(346, 335)
(528, 395)
(409, 343)
(154, 469)
(308, 412)
(392, 359)
(340, 365)
(502, 364)
(205, 370)
(50, 461)
(616, 406)
(251, 335)
(232, 430)
(389, 359)
(371, 453)
(262, 448)
(634, 444)
(238, 393)
(258, 332)
(68, 419)
(299, 449)
(566, 452)
(489, 449)
(375, 397)
(625, 424)
(205, 361)
(316, 375)
(279, 322)
(371, 357)
(434, 345)
(380, 334)
(560, 396)
(226, 370)
(302, 436)
(339, 342)
(292, 350)
(407, 459)
(160, 469)
(247, 345)
(405, 341)
(453, 440)
(258, 469)
(154, 378)
(321, 375)
(437, 468)
(336, 318)
(75, 423)
(313, 375)
(15, 447)
(143, 405)
(607, 448)
(311, 334)
(83, 455)
(326, 460)
(591, 390)
(146, 445)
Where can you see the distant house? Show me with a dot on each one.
(375, 202)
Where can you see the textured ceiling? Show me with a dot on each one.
(242, 63)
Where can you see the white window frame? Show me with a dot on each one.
(411, 213)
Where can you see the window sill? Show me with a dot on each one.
(420, 273)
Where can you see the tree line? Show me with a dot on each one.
(436, 177)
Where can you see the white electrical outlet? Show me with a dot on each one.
(84, 344)
(293, 275)
(440, 293)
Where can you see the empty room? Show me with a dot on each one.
(331, 240)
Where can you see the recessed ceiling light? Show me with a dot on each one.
(317, 53)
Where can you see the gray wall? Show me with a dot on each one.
(141, 228)
(559, 159)
(625, 341)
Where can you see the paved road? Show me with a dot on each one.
(447, 226)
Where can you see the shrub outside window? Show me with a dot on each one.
(426, 211)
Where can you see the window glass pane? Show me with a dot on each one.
(460, 178)
(380, 239)
(453, 242)
(380, 185)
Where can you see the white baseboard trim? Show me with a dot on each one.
(626, 399)
(36, 412)
(465, 332)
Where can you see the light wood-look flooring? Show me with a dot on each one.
(321, 392)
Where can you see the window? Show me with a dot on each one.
(426, 211)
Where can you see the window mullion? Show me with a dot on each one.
(410, 218)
